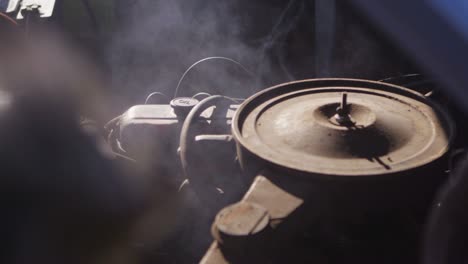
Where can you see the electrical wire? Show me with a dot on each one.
(201, 94)
(156, 93)
(233, 99)
(207, 59)
(407, 80)
(399, 77)
(413, 81)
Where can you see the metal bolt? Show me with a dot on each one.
(342, 112)
(344, 99)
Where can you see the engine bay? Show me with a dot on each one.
(212, 132)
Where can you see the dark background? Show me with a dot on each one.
(144, 46)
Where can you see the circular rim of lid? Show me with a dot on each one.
(176, 102)
(271, 93)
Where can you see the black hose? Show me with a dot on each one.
(194, 113)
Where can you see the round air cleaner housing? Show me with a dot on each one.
(342, 128)
(348, 147)
(353, 163)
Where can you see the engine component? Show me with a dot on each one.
(182, 105)
(340, 153)
(152, 131)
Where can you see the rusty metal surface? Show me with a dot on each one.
(328, 128)
(214, 255)
(242, 219)
(278, 202)
(297, 126)
(263, 199)
(355, 222)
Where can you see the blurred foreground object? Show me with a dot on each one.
(63, 198)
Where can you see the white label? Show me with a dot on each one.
(12, 6)
(46, 7)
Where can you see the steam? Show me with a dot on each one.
(160, 39)
(55, 180)
(324, 36)
(155, 44)
(278, 41)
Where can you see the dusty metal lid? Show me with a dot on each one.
(183, 105)
(343, 127)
